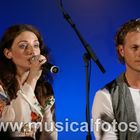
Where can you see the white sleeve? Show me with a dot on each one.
(7, 113)
(19, 109)
(48, 119)
(102, 106)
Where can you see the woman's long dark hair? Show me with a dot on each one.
(8, 69)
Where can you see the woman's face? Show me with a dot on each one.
(23, 48)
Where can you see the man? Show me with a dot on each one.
(116, 107)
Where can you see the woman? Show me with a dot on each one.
(25, 93)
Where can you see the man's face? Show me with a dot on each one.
(130, 51)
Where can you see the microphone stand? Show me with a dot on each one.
(87, 59)
(87, 56)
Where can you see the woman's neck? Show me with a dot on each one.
(21, 77)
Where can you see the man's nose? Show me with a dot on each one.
(138, 52)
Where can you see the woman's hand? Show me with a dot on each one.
(35, 69)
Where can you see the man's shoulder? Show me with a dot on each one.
(111, 84)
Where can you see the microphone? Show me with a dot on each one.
(48, 66)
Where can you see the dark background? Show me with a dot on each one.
(97, 20)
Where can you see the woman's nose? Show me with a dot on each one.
(30, 50)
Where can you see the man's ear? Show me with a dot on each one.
(7, 53)
(121, 50)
